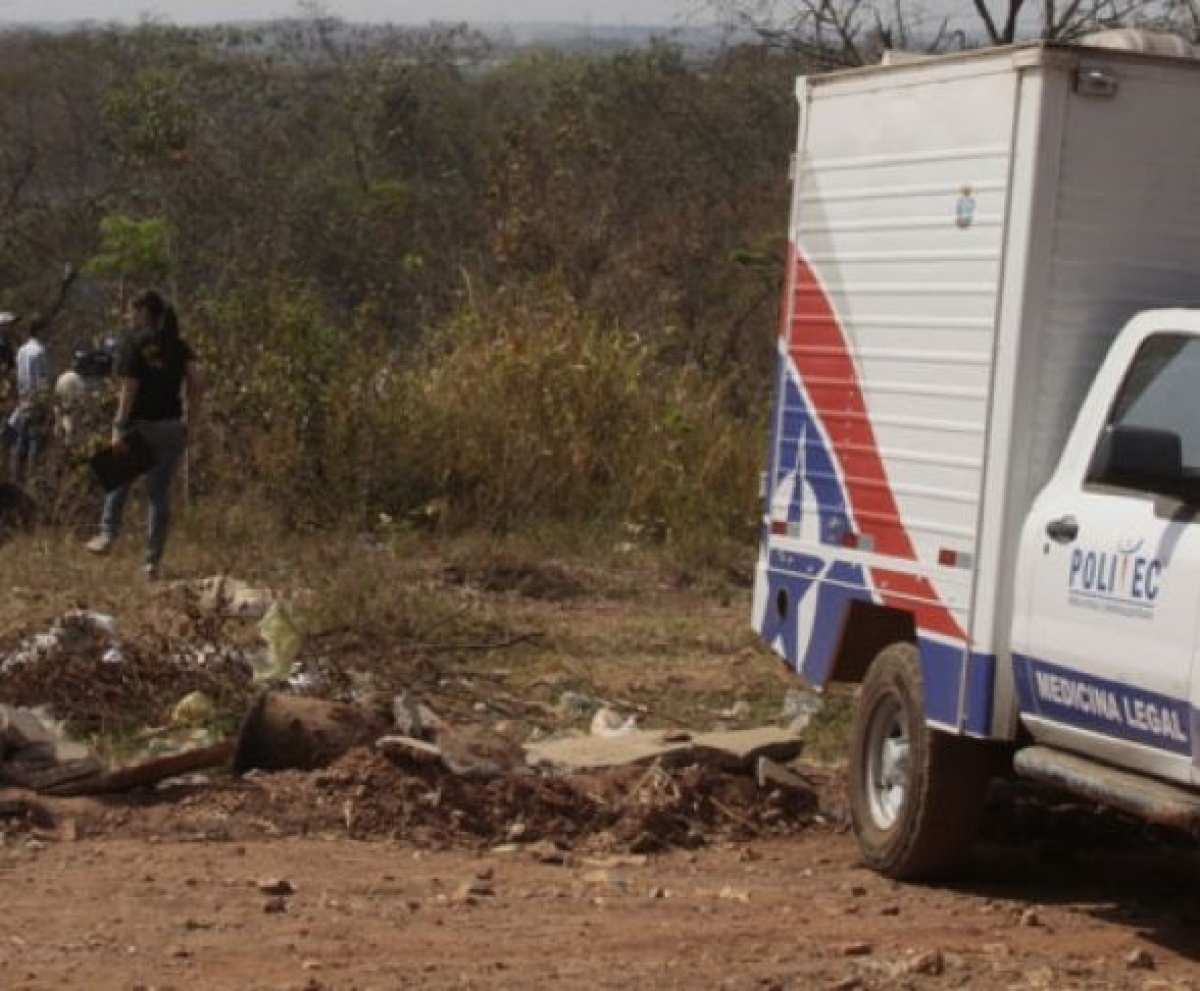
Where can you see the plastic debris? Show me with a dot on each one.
(193, 709)
(799, 707)
(77, 631)
(278, 628)
(608, 722)
(232, 597)
(406, 714)
(575, 705)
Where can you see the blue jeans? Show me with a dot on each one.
(168, 440)
(28, 442)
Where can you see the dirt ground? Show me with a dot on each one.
(377, 874)
(795, 913)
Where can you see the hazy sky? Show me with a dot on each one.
(629, 12)
(397, 11)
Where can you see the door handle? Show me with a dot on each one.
(1064, 530)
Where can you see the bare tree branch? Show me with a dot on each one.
(989, 25)
(1010, 22)
(1079, 17)
(831, 33)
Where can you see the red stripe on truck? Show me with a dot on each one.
(819, 350)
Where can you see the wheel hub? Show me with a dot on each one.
(888, 756)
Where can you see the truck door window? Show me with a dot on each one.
(1162, 390)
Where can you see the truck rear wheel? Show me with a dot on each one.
(916, 794)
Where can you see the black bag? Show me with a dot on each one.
(117, 466)
(93, 363)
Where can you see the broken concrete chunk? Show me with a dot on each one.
(479, 752)
(768, 771)
(735, 750)
(20, 729)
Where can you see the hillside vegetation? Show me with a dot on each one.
(431, 287)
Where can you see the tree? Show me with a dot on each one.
(133, 249)
(834, 33)
(1181, 17)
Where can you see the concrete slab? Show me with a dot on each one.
(735, 750)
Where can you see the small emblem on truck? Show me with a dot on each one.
(1121, 581)
(964, 210)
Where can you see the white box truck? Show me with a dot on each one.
(982, 501)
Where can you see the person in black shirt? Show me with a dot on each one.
(153, 370)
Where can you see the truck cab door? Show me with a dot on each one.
(1110, 557)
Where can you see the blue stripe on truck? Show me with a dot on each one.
(941, 672)
(945, 701)
(981, 691)
(800, 575)
(1102, 706)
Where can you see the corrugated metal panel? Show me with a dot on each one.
(913, 283)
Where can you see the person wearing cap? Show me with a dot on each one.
(30, 420)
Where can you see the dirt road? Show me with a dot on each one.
(410, 877)
(795, 913)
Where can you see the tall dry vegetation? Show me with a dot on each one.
(431, 285)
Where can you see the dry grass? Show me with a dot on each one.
(490, 627)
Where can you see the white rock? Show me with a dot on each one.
(1139, 959)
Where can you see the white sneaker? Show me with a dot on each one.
(99, 544)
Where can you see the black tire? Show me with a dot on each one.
(924, 829)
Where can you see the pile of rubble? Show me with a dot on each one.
(372, 769)
(305, 765)
(637, 809)
(82, 672)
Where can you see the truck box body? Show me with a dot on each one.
(968, 235)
